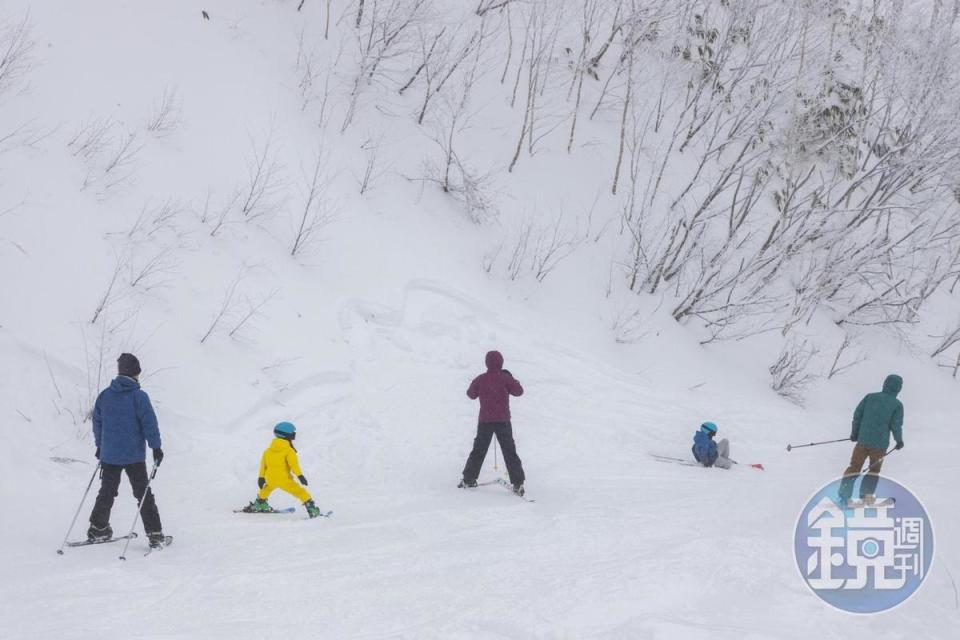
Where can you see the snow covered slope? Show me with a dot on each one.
(124, 229)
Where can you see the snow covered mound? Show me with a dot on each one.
(328, 211)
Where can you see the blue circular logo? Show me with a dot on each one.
(867, 555)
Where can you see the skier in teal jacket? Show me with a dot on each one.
(875, 418)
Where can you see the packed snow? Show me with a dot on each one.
(366, 340)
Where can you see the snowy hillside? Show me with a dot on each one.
(328, 213)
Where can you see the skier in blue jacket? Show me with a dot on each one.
(710, 453)
(123, 423)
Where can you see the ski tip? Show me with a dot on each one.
(59, 552)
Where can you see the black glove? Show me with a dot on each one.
(853, 438)
(507, 371)
(899, 446)
(96, 454)
(157, 456)
(261, 482)
(302, 480)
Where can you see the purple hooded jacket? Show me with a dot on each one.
(494, 389)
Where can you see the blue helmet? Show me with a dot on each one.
(285, 430)
(708, 428)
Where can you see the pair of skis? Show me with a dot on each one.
(323, 514)
(689, 463)
(503, 482)
(878, 503)
(167, 541)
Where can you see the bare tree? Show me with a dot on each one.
(542, 29)
(441, 56)
(91, 138)
(253, 311)
(839, 365)
(16, 51)
(220, 217)
(264, 195)
(317, 211)
(373, 168)
(487, 6)
(230, 304)
(554, 244)
(383, 35)
(116, 163)
(113, 288)
(167, 113)
(947, 341)
(789, 372)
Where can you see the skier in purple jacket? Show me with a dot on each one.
(494, 389)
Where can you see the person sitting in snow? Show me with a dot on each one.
(494, 389)
(278, 465)
(710, 453)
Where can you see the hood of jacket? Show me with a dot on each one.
(494, 361)
(123, 383)
(280, 445)
(893, 384)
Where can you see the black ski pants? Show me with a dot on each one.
(485, 433)
(109, 487)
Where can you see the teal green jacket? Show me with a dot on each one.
(879, 414)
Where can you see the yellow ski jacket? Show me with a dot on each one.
(279, 461)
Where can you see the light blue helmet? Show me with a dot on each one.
(285, 430)
(708, 428)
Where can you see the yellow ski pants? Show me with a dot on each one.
(289, 486)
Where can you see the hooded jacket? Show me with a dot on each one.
(704, 449)
(278, 462)
(494, 389)
(878, 415)
(123, 420)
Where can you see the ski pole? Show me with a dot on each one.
(77, 514)
(755, 465)
(878, 461)
(790, 447)
(136, 516)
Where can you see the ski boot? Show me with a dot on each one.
(99, 534)
(855, 503)
(258, 506)
(467, 484)
(157, 540)
(870, 500)
(312, 509)
(518, 489)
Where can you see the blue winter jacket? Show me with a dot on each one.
(123, 419)
(704, 449)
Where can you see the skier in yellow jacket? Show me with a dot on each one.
(278, 465)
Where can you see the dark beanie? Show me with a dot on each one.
(128, 365)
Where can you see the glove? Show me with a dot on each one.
(157, 456)
(261, 482)
(853, 438)
(507, 371)
(899, 446)
(302, 480)
(96, 454)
